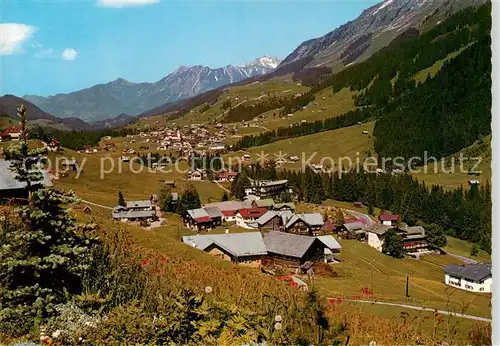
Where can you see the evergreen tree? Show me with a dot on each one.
(474, 250)
(435, 235)
(285, 197)
(121, 199)
(339, 217)
(239, 184)
(371, 210)
(44, 253)
(165, 200)
(393, 244)
(225, 197)
(189, 200)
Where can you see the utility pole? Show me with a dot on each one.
(407, 280)
(372, 276)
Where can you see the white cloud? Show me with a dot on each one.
(125, 3)
(69, 54)
(12, 36)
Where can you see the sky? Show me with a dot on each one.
(59, 46)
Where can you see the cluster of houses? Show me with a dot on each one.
(188, 139)
(414, 237)
(262, 214)
(257, 249)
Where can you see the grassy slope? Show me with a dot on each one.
(421, 76)
(457, 177)
(90, 186)
(463, 248)
(344, 142)
(426, 288)
(242, 286)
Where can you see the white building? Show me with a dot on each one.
(469, 277)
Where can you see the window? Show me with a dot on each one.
(481, 289)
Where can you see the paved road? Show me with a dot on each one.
(95, 204)
(464, 259)
(422, 308)
(359, 215)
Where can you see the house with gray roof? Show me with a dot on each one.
(134, 215)
(140, 205)
(332, 247)
(243, 248)
(414, 238)
(305, 224)
(267, 188)
(470, 277)
(215, 214)
(198, 219)
(264, 203)
(291, 249)
(284, 206)
(135, 211)
(10, 187)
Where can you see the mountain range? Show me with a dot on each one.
(375, 28)
(121, 97)
(119, 102)
(10, 103)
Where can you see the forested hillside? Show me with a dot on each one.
(443, 114)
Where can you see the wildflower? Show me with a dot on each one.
(144, 261)
(331, 300)
(277, 318)
(163, 259)
(56, 334)
(293, 283)
(339, 300)
(277, 326)
(208, 289)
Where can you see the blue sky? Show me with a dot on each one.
(59, 46)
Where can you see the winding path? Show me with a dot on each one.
(422, 308)
(95, 204)
(222, 187)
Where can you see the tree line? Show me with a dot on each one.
(76, 140)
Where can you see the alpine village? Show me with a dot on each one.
(245, 213)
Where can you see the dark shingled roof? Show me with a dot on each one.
(475, 272)
(288, 244)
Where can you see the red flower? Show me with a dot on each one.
(339, 300)
(163, 259)
(331, 300)
(144, 261)
(293, 283)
